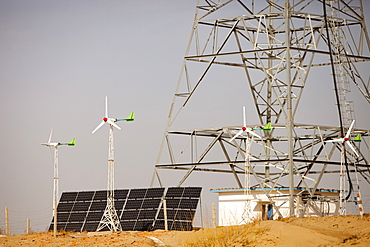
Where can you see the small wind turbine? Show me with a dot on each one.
(346, 139)
(245, 128)
(55, 191)
(110, 218)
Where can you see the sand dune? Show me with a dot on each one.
(313, 231)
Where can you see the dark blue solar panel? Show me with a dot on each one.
(94, 216)
(147, 214)
(193, 192)
(120, 194)
(138, 209)
(62, 216)
(65, 207)
(81, 206)
(172, 203)
(174, 192)
(85, 195)
(133, 204)
(68, 197)
(151, 203)
(137, 193)
(90, 226)
(188, 203)
(154, 193)
(77, 217)
(128, 225)
(130, 215)
(100, 195)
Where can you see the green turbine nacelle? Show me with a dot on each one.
(129, 118)
(357, 138)
(71, 143)
(267, 127)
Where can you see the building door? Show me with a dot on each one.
(267, 211)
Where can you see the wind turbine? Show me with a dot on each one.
(245, 128)
(55, 191)
(346, 139)
(110, 218)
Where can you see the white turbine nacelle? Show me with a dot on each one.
(55, 144)
(52, 144)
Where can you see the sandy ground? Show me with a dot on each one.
(314, 231)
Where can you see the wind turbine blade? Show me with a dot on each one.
(237, 134)
(253, 133)
(106, 106)
(353, 148)
(349, 130)
(336, 140)
(244, 118)
(101, 124)
(51, 133)
(112, 123)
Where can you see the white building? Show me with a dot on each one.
(238, 206)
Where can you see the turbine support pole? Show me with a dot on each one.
(110, 218)
(55, 191)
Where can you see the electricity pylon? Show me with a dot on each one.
(277, 44)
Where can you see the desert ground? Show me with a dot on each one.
(312, 231)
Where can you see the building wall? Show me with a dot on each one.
(235, 207)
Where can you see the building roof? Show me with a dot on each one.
(220, 190)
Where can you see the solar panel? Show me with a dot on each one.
(138, 209)
(90, 226)
(137, 193)
(133, 204)
(85, 196)
(130, 214)
(94, 216)
(174, 192)
(81, 206)
(64, 207)
(63, 217)
(154, 193)
(193, 192)
(100, 195)
(73, 226)
(98, 205)
(68, 197)
(147, 214)
(77, 217)
(120, 194)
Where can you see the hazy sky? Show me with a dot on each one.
(58, 61)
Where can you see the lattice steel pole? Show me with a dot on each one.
(110, 218)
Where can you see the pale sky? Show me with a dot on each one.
(58, 61)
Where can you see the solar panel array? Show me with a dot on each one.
(181, 204)
(138, 209)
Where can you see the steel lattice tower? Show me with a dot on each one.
(110, 218)
(277, 44)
